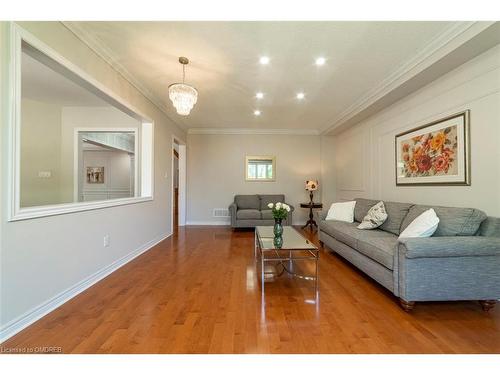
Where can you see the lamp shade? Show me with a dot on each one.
(311, 185)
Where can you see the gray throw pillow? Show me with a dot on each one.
(375, 217)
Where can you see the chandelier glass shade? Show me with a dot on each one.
(183, 96)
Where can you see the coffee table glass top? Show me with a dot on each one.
(292, 240)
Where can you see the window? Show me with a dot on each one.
(260, 168)
(75, 146)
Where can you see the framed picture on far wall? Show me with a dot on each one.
(437, 153)
(95, 175)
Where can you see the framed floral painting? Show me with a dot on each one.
(435, 154)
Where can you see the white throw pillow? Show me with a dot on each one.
(343, 211)
(424, 225)
(375, 217)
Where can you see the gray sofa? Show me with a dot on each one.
(248, 211)
(461, 261)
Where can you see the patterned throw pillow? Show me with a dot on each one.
(375, 217)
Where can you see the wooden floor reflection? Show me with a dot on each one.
(198, 292)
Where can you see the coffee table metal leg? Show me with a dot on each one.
(255, 245)
(262, 274)
(316, 280)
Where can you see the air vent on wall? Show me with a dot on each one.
(221, 212)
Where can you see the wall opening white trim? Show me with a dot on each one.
(181, 219)
(144, 173)
(77, 157)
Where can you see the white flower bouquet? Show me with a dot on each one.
(280, 210)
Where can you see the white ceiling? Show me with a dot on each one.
(361, 56)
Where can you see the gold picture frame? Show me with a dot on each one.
(437, 153)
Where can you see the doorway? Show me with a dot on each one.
(175, 212)
(178, 184)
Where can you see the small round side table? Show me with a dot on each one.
(311, 222)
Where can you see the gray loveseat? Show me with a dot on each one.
(461, 261)
(248, 211)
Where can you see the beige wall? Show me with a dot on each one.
(42, 259)
(216, 170)
(364, 155)
(40, 152)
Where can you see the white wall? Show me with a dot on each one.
(43, 259)
(328, 192)
(118, 175)
(364, 155)
(216, 171)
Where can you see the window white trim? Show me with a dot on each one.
(249, 159)
(16, 35)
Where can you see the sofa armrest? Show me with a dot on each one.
(442, 247)
(320, 215)
(232, 212)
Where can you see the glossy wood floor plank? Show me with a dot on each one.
(198, 292)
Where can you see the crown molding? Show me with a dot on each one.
(247, 131)
(450, 39)
(105, 53)
(454, 36)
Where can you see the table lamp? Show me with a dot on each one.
(311, 185)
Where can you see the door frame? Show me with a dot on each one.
(181, 219)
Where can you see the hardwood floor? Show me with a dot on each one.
(198, 292)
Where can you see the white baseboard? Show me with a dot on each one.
(18, 324)
(195, 222)
(219, 222)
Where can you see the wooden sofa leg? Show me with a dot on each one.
(488, 304)
(407, 305)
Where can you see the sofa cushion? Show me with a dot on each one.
(490, 227)
(453, 221)
(265, 199)
(379, 246)
(247, 201)
(267, 214)
(375, 243)
(375, 217)
(396, 213)
(248, 213)
(341, 231)
(362, 207)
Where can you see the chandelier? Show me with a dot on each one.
(183, 96)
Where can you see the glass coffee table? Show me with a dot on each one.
(295, 248)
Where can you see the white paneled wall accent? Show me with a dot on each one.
(364, 155)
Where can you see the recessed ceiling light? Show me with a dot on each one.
(264, 60)
(320, 61)
(300, 95)
(256, 112)
(259, 95)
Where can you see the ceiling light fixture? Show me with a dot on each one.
(183, 96)
(264, 60)
(259, 95)
(256, 112)
(320, 61)
(300, 95)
